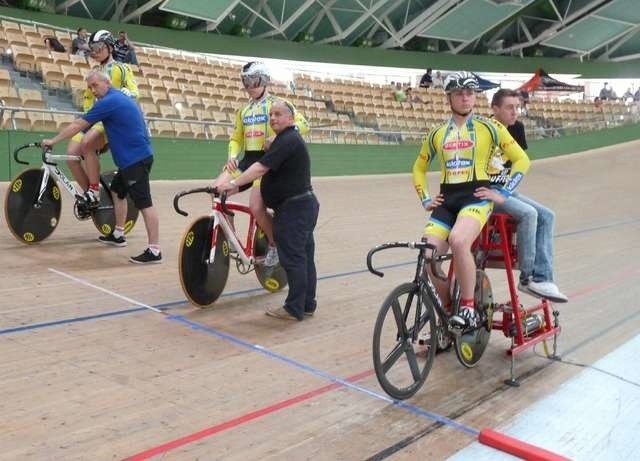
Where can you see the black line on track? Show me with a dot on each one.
(396, 447)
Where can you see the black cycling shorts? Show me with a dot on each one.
(134, 181)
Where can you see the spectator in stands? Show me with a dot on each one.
(636, 95)
(286, 188)
(94, 139)
(606, 92)
(535, 222)
(79, 45)
(524, 100)
(412, 97)
(307, 91)
(597, 102)
(132, 153)
(53, 44)
(628, 95)
(438, 80)
(123, 50)
(426, 81)
(253, 135)
(399, 94)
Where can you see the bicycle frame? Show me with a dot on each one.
(51, 169)
(222, 212)
(221, 220)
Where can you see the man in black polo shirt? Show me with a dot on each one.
(286, 188)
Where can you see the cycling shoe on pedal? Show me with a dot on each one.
(91, 199)
(466, 318)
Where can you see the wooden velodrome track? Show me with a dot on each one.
(87, 372)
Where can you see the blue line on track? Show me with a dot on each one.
(322, 374)
(171, 304)
(166, 306)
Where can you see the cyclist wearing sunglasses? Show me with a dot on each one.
(95, 140)
(253, 135)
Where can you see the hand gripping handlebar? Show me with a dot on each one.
(201, 190)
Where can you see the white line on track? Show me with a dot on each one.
(104, 290)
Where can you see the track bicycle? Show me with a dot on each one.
(412, 324)
(33, 202)
(211, 242)
(413, 313)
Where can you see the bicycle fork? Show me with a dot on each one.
(220, 222)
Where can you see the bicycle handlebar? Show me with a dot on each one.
(386, 246)
(25, 146)
(414, 245)
(201, 190)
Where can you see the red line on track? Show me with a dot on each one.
(171, 445)
(165, 447)
(604, 285)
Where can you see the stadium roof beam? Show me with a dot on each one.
(628, 36)
(326, 12)
(120, 5)
(65, 5)
(368, 12)
(290, 20)
(556, 25)
(135, 14)
(418, 23)
(256, 15)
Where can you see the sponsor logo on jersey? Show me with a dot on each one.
(254, 134)
(456, 163)
(458, 144)
(500, 178)
(254, 119)
(506, 144)
(513, 183)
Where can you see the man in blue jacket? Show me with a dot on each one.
(132, 153)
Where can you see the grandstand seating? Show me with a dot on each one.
(185, 88)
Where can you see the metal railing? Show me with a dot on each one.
(536, 127)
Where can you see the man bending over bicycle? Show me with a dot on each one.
(463, 146)
(94, 139)
(253, 134)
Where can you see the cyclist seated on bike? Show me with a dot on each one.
(463, 145)
(94, 140)
(253, 135)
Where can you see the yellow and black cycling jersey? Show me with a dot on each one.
(252, 126)
(121, 78)
(464, 154)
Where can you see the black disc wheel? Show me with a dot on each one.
(104, 218)
(272, 279)
(203, 281)
(30, 217)
(470, 345)
(401, 364)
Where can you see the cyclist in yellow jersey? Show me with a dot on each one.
(463, 145)
(252, 134)
(95, 140)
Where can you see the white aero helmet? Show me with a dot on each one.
(102, 36)
(461, 81)
(255, 74)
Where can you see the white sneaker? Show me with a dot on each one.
(271, 259)
(92, 199)
(547, 290)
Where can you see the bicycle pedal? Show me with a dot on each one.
(81, 211)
